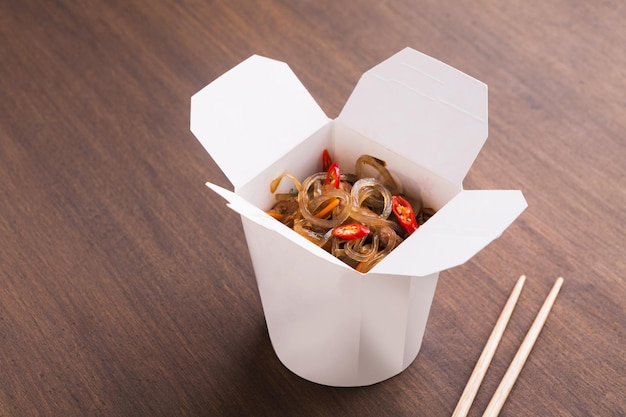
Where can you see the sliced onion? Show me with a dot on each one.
(381, 167)
(304, 228)
(276, 181)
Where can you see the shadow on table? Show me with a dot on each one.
(263, 386)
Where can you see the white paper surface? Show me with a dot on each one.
(423, 109)
(333, 325)
(329, 323)
(464, 226)
(252, 115)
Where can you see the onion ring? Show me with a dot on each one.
(381, 167)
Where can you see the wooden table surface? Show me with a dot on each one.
(126, 288)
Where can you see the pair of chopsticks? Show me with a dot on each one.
(502, 392)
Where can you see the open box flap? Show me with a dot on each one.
(464, 226)
(258, 216)
(423, 109)
(252, 115)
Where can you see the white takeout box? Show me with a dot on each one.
(327, 322)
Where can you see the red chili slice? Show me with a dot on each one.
(333, 176)
(327, 161)
(351, 231)
(404, 213)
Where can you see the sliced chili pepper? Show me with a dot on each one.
(404, 213)
(333, 176)
(327, 161)
(351, 231)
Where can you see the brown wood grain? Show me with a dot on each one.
(126, 288)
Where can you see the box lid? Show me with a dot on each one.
(252, 115)
(423, 109)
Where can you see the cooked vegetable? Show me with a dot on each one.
(371, 202)
(327, 161)
(349, 215)
(404, 213)
(333, 176)
(313, 197)
(276, 182)
(381, 168)
(351, 231)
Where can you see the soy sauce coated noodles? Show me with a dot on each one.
(357, 217)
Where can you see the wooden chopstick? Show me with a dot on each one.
(502, 392)
(465, 402)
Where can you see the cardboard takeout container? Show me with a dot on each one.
(327, 322)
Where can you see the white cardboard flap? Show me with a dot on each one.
(258, 216)
(252, 115)
(423, 109)
(464, 226)
(459, 230)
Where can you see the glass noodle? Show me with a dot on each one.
(358, 217)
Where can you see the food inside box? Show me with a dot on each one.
(358, 215)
